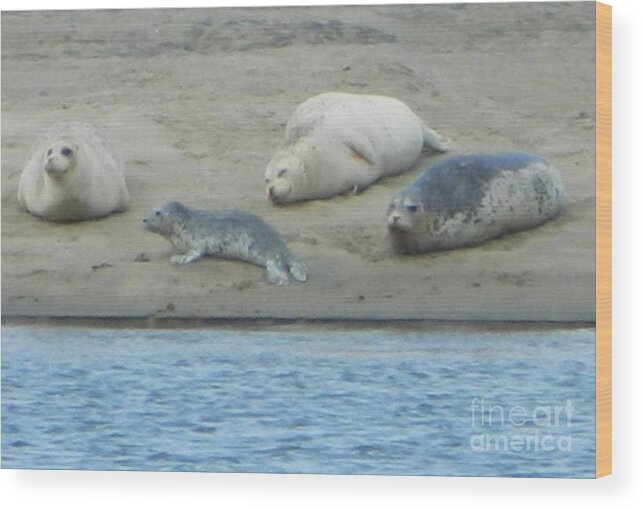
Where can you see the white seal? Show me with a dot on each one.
(337, 142)
(466, 200)
(71, 176)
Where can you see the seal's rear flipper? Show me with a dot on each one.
(275, 273)
(433, 141)
(298, 270)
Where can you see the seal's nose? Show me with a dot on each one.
(271, 191)
(394, 221)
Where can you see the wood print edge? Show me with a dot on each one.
(603, 240)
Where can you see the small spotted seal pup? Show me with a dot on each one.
(466, 200)
(231, 234)
(337, 142)
(71, 176)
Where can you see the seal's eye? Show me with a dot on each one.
(281, 172)
(66, 151)
(412, 208)
(157, 213)
(49, 152)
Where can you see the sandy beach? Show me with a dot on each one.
(194, 103)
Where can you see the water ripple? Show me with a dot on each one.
(387, 402)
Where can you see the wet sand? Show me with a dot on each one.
(194, 103)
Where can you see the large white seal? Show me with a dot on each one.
(71, 176)
(336, 142)
(466, 200)
(227, 233)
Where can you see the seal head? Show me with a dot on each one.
(165, 220)
(61, 157)
(285, 175)
(405, 212)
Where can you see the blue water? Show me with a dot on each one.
(446, 402)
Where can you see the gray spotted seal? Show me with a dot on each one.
(71, 176)
(337, 142)
(466, 200)
(228, 233)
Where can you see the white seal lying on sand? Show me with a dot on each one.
(231, 234)
(466, 200)
(71, 176)
(336, 142)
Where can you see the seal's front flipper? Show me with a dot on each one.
(298, 270)
(191, 256)
(360, 148)
(433, 141)
(275, 273)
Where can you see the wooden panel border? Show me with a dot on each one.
(603, 239)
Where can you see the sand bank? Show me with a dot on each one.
(194, 102)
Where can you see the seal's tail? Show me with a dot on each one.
(298, 270)
(433, 140)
